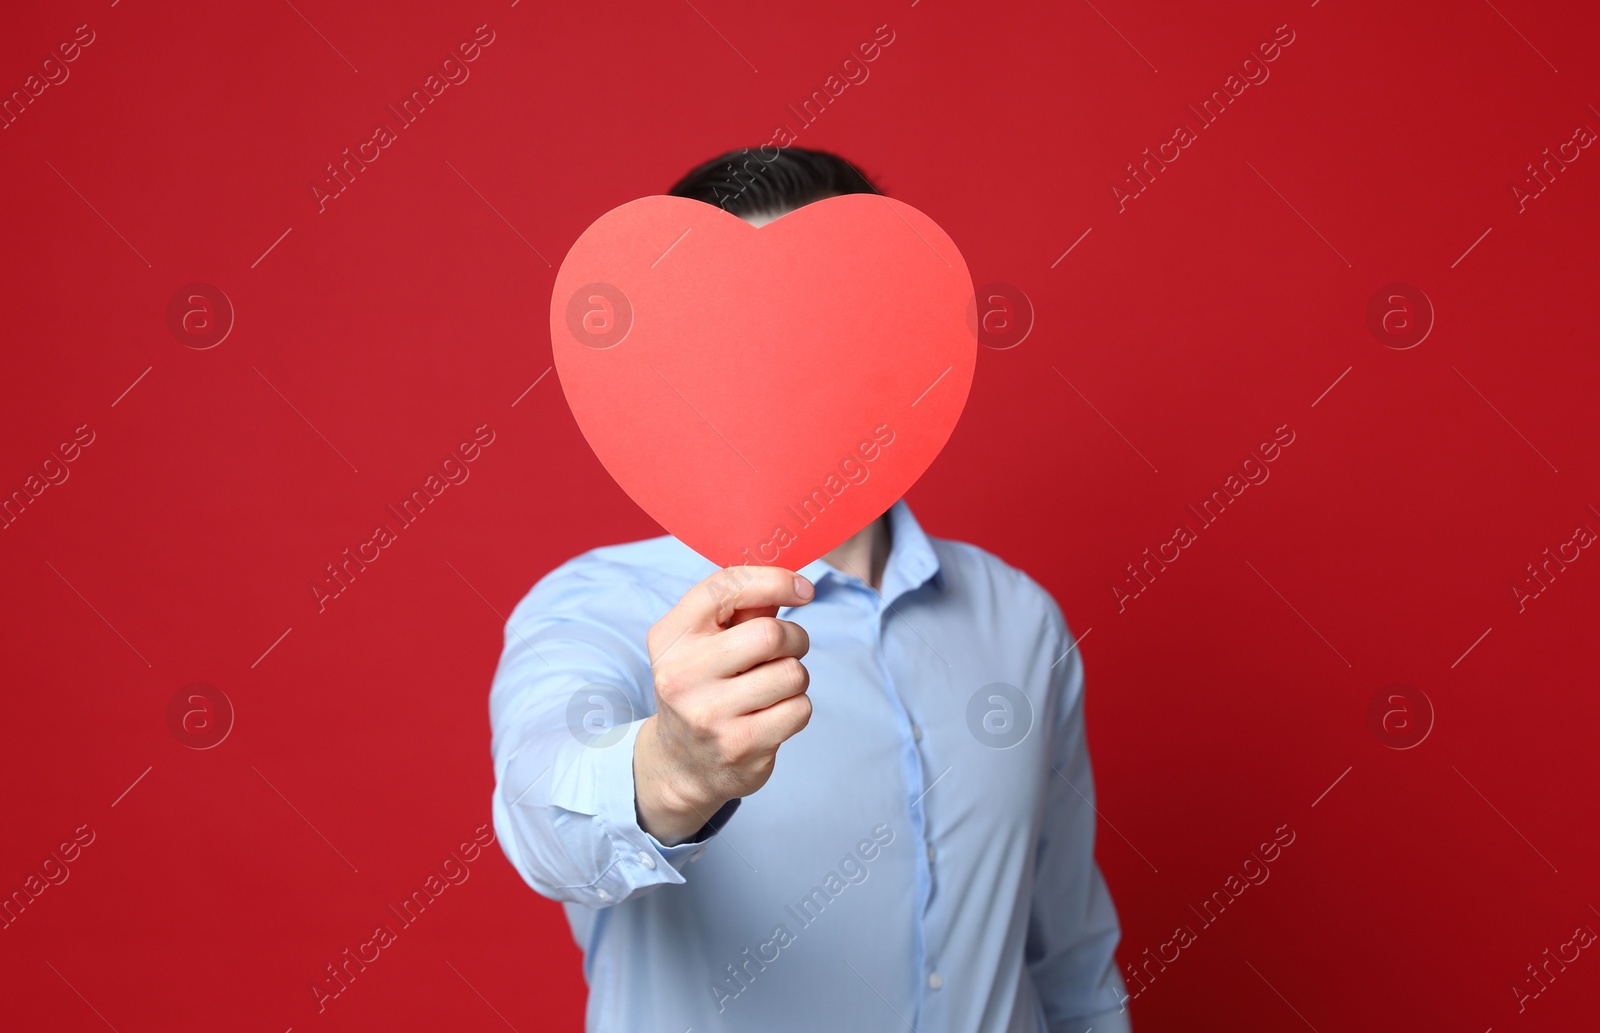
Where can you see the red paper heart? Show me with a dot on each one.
(764, 393)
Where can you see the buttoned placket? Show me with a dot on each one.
(899, 581)
(916, 780)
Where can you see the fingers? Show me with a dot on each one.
(783, 719)
(710, 605)
(753, 642)
(761, 687)
(751, 613)
(718, 661)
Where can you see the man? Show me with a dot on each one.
(922, 856)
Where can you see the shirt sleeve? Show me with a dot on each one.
(571, 690)
(1073, 929)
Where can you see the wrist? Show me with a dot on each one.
(670, 807)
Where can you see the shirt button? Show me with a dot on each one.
(696, 855)
(602, 894)
(935, 980)
(916, 732)
(930, 854)
(646, 860)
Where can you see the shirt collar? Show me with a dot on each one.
(912, 561)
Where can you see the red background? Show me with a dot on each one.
(1226, 700)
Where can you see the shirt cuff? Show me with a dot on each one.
(639, 860)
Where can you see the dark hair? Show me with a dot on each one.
(748, 182)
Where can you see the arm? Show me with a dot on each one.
(608, 727)
(573, 666)
(1073, 929)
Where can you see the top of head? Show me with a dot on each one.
(762, 184)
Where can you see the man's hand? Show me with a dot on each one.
(730, 688)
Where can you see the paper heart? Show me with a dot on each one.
(764, 393)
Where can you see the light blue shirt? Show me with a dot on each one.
(922, 856)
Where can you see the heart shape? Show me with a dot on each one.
(764, 393)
